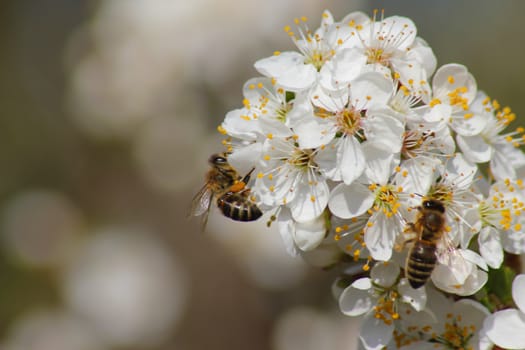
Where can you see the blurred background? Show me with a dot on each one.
(108, 112)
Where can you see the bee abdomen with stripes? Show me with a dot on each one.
(238, 206)
(420, 263)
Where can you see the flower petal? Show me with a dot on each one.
(385, 274)
(506, 329)
(490, 246)
(326, 159)
(237, 124)
(379, 163)
(375, 333)
(355, 299)
(310, 199)
(415, 297)
(245, 158)
(350, 201)
(513, 242)
(416, 174)
(286, 227)
(289, 69)
(475, 148)
(313, 132)
(380, 236)
(352, 159)
(384, 131)
(371, 89)
(308, 235)
(347, 65)
(518, 291)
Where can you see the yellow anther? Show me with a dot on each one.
(434, 102)
(221, 129)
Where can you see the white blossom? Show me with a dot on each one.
(505, 328)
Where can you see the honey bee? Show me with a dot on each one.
(423, 254)
(228, 188)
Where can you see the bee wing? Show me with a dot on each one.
(201, 202)
(447, 252)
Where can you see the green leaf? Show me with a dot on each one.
(498, 290)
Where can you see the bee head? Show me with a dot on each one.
(433, 204)
(218, 159)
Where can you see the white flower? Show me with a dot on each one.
(445, 324)
(454, 189)
(349, 235)
(501, 150)
(501, 216)
(300, 236)
(458, 273)
(506, 328)
(392, 43)
(381, 299)
(380, 194)
(454, 91)
(289, 176)
(297, 71)
(344, 119)
(424, 145)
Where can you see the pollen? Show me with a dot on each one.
(312, 198)
(434, 102)
(450, 79)
(260, 175)
(270, 136)
(267, 157)
(221, 129)
(271, 188)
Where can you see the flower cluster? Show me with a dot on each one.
(349, 136)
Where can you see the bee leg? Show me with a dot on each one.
(246, 177)
(407, 237)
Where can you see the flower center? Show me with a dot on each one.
(377, 55)
(349, 121)
(282, 112)
(317, 58)
(497, 215)
(455, 336)
(457, 99)
(386, 199)
(441, 193)
(302, 159)
(386, 306)
(413, 141)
